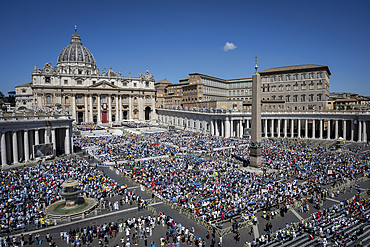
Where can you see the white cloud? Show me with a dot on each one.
(229, 46)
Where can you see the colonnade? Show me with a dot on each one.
(17, 145)
(349, 126)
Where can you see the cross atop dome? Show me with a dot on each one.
(75, 37)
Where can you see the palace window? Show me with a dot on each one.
(79, 99)
(295, 87)
(288, 87)
(295, 77)
(295, 98)
(312, 75)
(280, 77)
(281, 88)
(273, 88)
(303, 76)
(65, 82)
(319, 85)
(303, 98)
(287, 98)
(319, 97)
(311, 85)
(310, 97)
(47, 79)
(303, 86)
(104, 99)
(273, 78)
(124, 100)
(48, 99)
(288, 77)
(319, 75)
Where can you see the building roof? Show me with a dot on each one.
(295, 68)
(165, 81)
(26, 84)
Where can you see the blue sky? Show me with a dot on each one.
(174, 38)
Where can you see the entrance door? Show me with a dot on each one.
(80, 117)
(104, 117)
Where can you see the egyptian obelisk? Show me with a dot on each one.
(256, 145)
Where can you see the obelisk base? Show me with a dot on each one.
(256, 156)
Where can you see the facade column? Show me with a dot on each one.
(37, 140)
(130, 107)
(359, 139)
(99, 108)
(278, 128)
(141, 108)
(336, 129)
(86, 111)
(328, 130)
(15, 147)
(345, 129)
(364, 134)
(272, 128)
(320, 128)
(26, 146)
(53, 141)
(109, 109)
(299, 128)
(117, 110)
(67, 145)
(352, 129)
(120, 107)
(292, 128)
(306, 129)
(285, 128)
(91, 119)
(74, 107)
(266, 127)
(241, 128)
(3, 149)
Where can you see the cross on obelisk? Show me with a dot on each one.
(256, 145)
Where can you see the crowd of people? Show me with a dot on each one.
(27, 191)
(136, 125)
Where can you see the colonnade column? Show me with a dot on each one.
(352, 129)
(299, 128)
(216, 128)
(313, 128)
(3, 149)
(15, 147)
(320, 128)
(99, 109)
(364, 135)
(26, 146)
(67, 142)
(86, 111)
(109, 109)
(241, 128)
(292, 128)
(272, 128)
(278, 128)
(328, 130)
(211, 128)
(74, 106)
(227, 127)
(46, 137)
(222, 128)
(285, 128)
(37, 140)
(91, 109)
(265, 127)
(306, 129)
(336, 129)
(53, 141)
(345, 129)
(359, 131)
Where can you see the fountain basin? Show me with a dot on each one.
(60, 211)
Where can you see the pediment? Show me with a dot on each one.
(103, 85)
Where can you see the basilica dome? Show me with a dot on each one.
(75, 52)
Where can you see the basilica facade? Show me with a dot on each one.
(91, 96)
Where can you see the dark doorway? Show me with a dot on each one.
(80, 117)
(147, 113)
(125, 114)
(104, 117)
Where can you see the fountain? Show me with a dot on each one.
(73, 206)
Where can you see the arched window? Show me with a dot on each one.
(48, 99)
